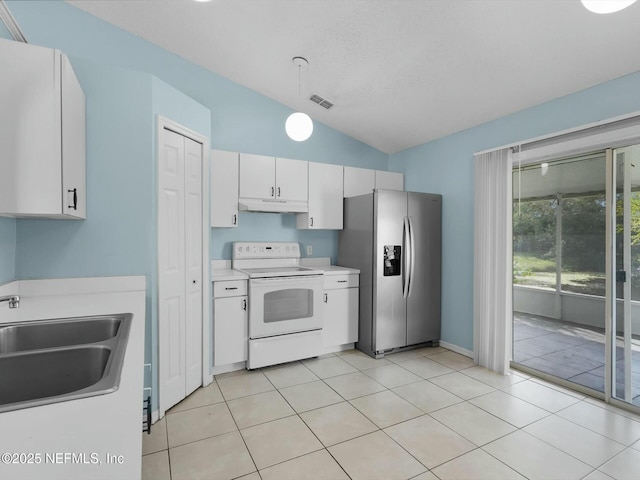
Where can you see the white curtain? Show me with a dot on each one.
(492, 283)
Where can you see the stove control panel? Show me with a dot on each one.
(248, 250)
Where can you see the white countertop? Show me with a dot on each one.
(336, 270)
(222, 274)
(221, 269)
(324, 264)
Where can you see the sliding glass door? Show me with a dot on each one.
(624, 352)
(559, 270)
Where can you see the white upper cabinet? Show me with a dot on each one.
(269, 184)
(325, 198)
(42, 134)
(358, 181)
(224, 188)
(389, 180)
(257, 176)
(291, 179)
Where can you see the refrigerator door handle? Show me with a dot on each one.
(412, 246)
(406, 257)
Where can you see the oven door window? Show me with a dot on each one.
(289, 304)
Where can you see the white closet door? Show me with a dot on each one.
(171, 269)
(193, 255)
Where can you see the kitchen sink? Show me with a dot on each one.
(57, 333)
(51, 373)
(51, 361)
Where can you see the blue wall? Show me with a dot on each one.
(241, 119)
(7, 250)
(116, 71)
(445, 166)
(115, 237)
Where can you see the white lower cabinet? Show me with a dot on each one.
(230, 322)
(340, 310)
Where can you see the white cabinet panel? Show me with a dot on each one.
(231, 331)
(358, 181)
(257, 176)
(270, 178)
(389, 180)
(224, 188)
(291, 179)
(340, 316)
(42, 132)
(73, 144)
(325, 198)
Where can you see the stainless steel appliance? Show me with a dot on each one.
(285, 302)
(395, 239)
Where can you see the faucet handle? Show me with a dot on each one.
(14, 300)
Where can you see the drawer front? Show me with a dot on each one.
(231, 288)
(331, 282)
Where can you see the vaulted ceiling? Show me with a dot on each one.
(400, 72)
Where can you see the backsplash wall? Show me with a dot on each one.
(7, 249)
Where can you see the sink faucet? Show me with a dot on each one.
(14, 300)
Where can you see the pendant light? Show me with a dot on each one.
(299, 126)
(606, 6)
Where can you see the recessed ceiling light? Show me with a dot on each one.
(202, 1)
(606, 6)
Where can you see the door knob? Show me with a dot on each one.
(195, 281)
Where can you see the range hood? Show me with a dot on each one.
(273, 206)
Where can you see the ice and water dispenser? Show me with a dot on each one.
(392, 260)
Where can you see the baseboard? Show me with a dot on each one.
(232, 367)
(338, 348)
(456, 348)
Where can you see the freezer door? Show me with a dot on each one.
(390, 307)
(423, 302)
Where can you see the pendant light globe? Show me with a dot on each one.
(606, 6)
(299, 126)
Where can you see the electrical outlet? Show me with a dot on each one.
(309, 249)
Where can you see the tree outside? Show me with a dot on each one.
(582, 243)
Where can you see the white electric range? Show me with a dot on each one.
(285, 302)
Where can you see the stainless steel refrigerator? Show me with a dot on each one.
(395, 239)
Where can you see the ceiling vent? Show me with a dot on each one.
(323, 102)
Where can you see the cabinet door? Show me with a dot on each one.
(257, 176)
(358, 181)
(389, 180)
(30, 114)
(74, 179)
(291, 179)
(340, 316)
(325, 198)
(224, 189)
(230, 330)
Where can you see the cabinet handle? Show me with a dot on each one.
(244, 304)
(235, 219)
(278, 191)
(230, 288)
(272, 191)
(75, 198)
(326, 297)
(342, 281)
(311, 218)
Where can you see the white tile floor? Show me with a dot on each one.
(424, 414)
